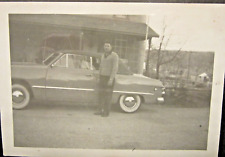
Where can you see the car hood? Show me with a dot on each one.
(138, 79)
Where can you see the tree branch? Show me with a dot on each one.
(167, 41)
(159, 50)
(173, 58)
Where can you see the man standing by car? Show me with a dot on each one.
(107, 72)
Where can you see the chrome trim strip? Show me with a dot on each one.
(69, 88)
(67, 60)
(133, 92)
(65, 88)
(85, 89)
(38, 86)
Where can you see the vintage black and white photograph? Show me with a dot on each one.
(114, 81)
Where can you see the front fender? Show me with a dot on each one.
(149, 89)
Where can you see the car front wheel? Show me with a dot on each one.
(20, 96)
(130, 103)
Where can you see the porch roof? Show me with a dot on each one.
(86, 22)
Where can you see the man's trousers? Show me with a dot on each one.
(105, 94)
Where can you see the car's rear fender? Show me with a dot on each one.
(31, 76)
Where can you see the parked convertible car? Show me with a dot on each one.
(73, 76)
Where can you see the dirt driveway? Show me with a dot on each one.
(156, 126)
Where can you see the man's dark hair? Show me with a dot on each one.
(109, 42)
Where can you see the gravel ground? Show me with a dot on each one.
(157, 126)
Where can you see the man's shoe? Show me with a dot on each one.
(98, 113)
(105, 115)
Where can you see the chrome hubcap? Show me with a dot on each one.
(17, 96)
(130, 101)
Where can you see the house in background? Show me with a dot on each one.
(30, 35)
(203, 78)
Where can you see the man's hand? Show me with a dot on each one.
(110, 82)
(98, 78)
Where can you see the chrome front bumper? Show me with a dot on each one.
(160, 99)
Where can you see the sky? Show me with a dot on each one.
(190, 27)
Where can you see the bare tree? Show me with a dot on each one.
(161, 60)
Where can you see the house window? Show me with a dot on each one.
(121, 47)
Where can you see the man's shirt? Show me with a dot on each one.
(109, 65)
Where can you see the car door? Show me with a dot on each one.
(82, 78)
(71, 79)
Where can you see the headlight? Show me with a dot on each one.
(155, 89)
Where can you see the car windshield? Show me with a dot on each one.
(50, 58)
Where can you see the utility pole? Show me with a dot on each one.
(149, 46)
(189, 61)
(81, 40)
(148, 58)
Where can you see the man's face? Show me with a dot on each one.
(107, 47)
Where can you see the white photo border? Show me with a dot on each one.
(7, 8)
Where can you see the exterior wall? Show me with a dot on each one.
(132, 52)
(141, 56)
(27, 41)
(134, 49)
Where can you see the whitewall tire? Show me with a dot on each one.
(130, 103)
(20, 96)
